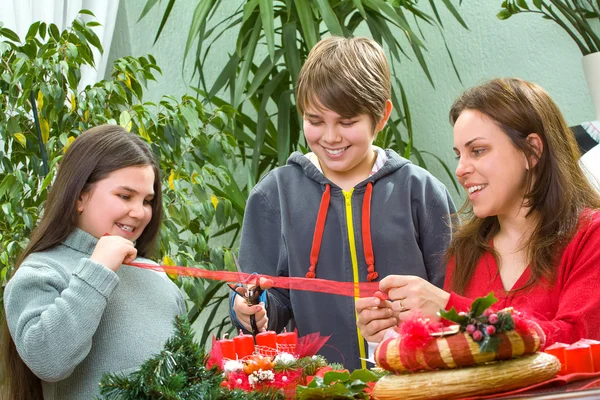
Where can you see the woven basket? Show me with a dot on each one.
(494, 377)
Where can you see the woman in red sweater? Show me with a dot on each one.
(530, 230)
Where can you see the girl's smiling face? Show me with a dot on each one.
(491, 168)
(120, 204)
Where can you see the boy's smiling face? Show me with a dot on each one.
(344, 146)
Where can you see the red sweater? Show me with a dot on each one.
(568, 310)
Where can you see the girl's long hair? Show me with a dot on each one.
(559, 191)
(90, 158)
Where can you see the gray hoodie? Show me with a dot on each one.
(410, 231)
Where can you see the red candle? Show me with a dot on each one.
(286, 341)
(244, 345)
(595, 347)
(267, 339)
(558, 351)
(227, 348)
(579, 358)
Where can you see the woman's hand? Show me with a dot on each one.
(375, 316)
(112, 251)
(411, 295)
(243, 311)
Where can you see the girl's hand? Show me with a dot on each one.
(243, 312)
(112, 251)
(375, 316)
(412, 295)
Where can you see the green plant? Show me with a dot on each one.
(579, 18)
(43, 112)
(273, 41)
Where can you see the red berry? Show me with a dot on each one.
(470, 329)
(493, 318)
(490, 329)
(462, 314)
(477, 336)
(487, 312)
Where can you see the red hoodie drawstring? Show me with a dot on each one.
(366, 233)
(318, 235)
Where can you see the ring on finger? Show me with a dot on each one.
(402, 308)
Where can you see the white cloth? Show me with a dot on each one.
(590, 163)
(18, 15)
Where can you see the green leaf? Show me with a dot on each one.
(283, 127)
(200, 13)
(481, 304)
(267, 18)
(330, 19)
(452, 315)
(455, 13)
(33, 30)
(334, 376)
(290, 48)
(7, 33)
(504, 14)
(308, 24)
(537, 4)
(364, 375)
(523, 4)
(125, 120)
(87, 12)
(164, 20)
(147, 7)
(54, 32)
(361, 9)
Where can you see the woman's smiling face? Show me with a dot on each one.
(490, 167)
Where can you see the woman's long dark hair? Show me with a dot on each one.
(559, 191)
(89, 159)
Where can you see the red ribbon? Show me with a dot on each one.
(351, 289)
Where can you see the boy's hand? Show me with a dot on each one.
(112, 251)
(243, 311)
(374, 318)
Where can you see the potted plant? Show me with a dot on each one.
(581, 20)
(43, 111)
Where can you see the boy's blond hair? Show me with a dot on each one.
(349, 76)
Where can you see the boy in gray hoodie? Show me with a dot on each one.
(349, 211)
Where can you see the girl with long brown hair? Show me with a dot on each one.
(72, 310)
(530, 228)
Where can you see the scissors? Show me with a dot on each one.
(250, 293)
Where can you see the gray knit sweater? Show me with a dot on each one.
(73, 319)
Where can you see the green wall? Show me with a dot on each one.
(524, 46)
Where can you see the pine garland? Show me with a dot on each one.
(178, 372)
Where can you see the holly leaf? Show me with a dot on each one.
(452, 315)
(364, 375)
(481, 304)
